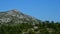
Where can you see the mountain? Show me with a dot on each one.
(16, 22)
(16, 17)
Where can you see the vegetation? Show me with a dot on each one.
(26, 28)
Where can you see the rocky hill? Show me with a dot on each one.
(16, 22)
(16, 17)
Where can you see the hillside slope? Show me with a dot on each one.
(16, 17)
(16, 22)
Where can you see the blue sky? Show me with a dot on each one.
(41, 9)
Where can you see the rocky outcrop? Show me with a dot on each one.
(16, 16)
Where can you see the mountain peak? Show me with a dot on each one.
(14, 10)
(16, 17)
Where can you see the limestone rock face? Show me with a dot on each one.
(16, 17)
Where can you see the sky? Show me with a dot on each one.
(40, 9)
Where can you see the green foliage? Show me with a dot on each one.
(43, 28)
